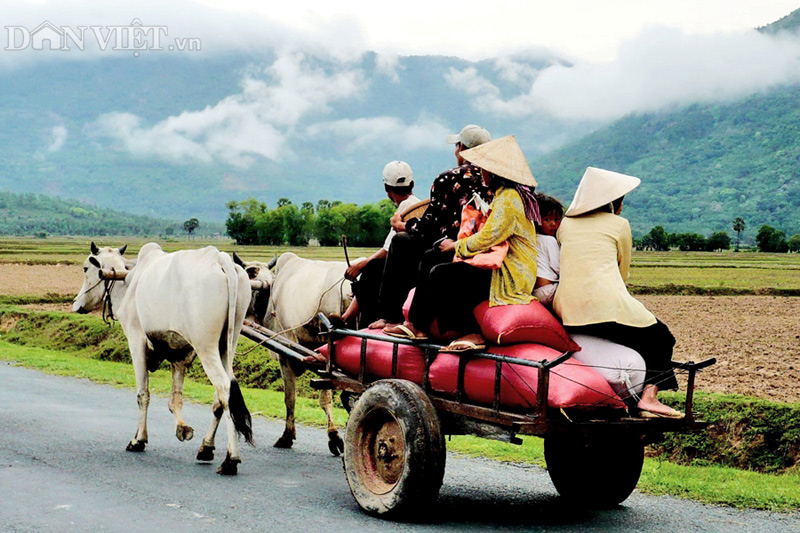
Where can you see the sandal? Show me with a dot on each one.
(402, 331)
(464, 344)
(671, 414)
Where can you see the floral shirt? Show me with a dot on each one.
(450, 191)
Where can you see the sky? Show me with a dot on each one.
(609, 58)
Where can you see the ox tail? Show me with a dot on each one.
(229, 331)
(239, 413)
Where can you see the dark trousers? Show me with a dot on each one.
(654, 343)
(400, 275)
(449, 293)
(366, 289)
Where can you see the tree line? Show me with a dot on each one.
(768, 239)
(252, 222)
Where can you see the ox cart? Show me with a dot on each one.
(394, 456)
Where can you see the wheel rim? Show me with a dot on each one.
(381, 452)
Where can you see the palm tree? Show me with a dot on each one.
(738, 227)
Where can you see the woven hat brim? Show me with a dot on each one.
(599, 187)
(504, 158)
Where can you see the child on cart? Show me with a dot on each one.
(548, 251)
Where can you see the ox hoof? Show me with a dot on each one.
(184, 433)
(205, 453)
(229, 467)
(284, 442)
(135, 446)
(335, 443)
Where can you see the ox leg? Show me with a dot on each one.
(289, 397)
(182, 430)
(137, 444)
(335, 442)
(206, 451)
(222, 384)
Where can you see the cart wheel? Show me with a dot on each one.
(394, 454)
(600, 472)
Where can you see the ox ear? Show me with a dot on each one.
(238, 260)
(94, 248)
(122, 249)
(252, 272)
(272, 262)
(93, 260)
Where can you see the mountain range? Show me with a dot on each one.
(174, 137)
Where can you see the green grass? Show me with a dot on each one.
(710, 484)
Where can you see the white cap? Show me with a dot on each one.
(398, 174)
(470, 136)
(600, 187)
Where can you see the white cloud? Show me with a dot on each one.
(387, 64)
(658, 69)
(59, 134)
(255, 122)
(352, 134)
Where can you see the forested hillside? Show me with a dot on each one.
(701, 166)
(38, 214)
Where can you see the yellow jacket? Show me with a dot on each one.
(513, 282)
(595, 262)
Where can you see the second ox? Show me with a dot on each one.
(298, 290)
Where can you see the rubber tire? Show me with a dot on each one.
(403, 406)
(597, 472)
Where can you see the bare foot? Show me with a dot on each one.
(378, 324)
(658, 408)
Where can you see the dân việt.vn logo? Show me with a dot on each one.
(134, 37)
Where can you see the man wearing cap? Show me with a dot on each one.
(451, 190)
(398, 181)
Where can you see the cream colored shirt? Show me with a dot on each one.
(595, 262)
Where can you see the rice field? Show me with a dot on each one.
(746, 271)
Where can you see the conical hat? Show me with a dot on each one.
(503, 157)
(599, 187)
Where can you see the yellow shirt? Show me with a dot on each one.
(513, 282)
(595, 262)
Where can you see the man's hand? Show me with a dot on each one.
(354, 270)
(447, 245)
(397, 222)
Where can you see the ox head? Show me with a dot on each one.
(258, 271)
(90, 296)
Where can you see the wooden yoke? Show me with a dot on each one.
(113, 274)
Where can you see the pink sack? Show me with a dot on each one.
(572, 384)
(410, 359)
(532, 322)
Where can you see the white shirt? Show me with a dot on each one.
(548, 257)
(405, 204)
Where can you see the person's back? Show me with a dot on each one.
(595, 258)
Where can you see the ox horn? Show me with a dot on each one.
(272, 262)
(94, 248)
(122, 249)
(238, 260)
(112, 274)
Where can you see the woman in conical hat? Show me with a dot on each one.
(592, 298)
(453, 290)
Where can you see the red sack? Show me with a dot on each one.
(572, 384)
(532, 322)
(410, 359)
(472, 220)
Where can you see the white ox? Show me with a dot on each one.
(176, 307)
(299, 290)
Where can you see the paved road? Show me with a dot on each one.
(63, 467)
